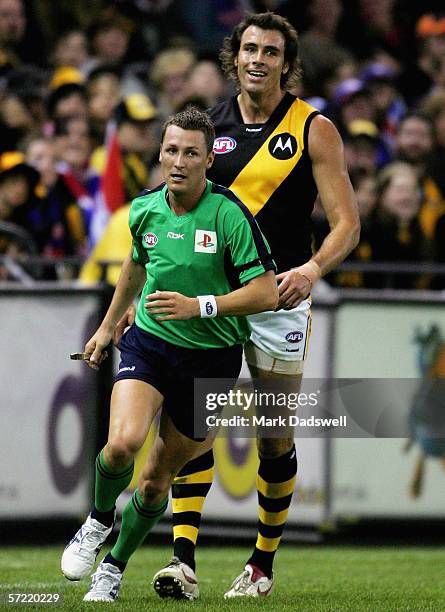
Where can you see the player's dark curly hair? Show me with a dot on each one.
(192, 119)
(265, 21)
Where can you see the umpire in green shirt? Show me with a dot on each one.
(202, 264)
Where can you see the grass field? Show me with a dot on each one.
(307, 578)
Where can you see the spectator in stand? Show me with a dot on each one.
(434, 108)
(384, 29)
(169, 75)
(419, 73)
(365, 188)
(319, 50)
(415, 140)
(73, 144)
(30, 85)
(439, 81)
(69, 59)
(439, 251)
(16, 121)
(361, 147)
(67, 235)
(68, 100)
(415, 145)
(207, 23)
(12, 31)
(373, 28)
(104, 92)
(71, 50)
(19, 203)
(352, 101)
(388, 103)
(109, 37)
(65, 75)
(156, 23)
(206, 81)
(331, 77)
(395, 233)
(135, 117)
(73, 150)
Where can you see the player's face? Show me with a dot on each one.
(184, 160)
(260, 60)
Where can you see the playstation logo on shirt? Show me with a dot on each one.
(283, 146)
(205, 241)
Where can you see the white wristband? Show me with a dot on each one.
(207, 306)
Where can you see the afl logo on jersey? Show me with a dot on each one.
(294, 336)
(150, 240)
(283, 146)
(224, 144)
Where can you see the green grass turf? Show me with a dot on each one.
(307, 578)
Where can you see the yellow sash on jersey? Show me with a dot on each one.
(263, 174)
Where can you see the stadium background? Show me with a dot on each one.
(380, 317)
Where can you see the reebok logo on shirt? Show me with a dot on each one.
(175, 236)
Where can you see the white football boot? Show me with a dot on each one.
(80, 554)
(250, 583)
(176, 580)
(105, 584)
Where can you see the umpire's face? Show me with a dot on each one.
(184, 160)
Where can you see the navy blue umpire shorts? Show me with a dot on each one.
(172, 369)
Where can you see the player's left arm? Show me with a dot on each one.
(339, 203)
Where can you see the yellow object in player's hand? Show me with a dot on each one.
(80, 356)
(87, 357)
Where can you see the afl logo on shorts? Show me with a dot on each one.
(224, 144)
(294, 336)
(150, 240)
(283, 146)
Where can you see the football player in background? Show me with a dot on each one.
(275, 152)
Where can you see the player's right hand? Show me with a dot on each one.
(293, 288)
(123, 323)
(96, 348)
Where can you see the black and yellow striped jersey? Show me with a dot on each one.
(268, 166)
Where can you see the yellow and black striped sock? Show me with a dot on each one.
(275, 484)
(189, 491)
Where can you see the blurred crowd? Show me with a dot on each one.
(85, 87)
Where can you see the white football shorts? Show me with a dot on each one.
(279, 340)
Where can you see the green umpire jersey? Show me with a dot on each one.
(211, 250)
